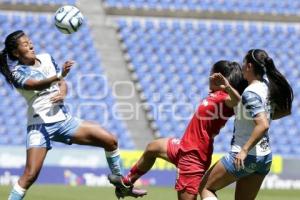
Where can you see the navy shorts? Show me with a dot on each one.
(253, 164)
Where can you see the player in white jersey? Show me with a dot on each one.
(40, 82)
(268, 96)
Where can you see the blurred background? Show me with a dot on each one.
(142, 67)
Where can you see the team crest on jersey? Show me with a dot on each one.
(264, 144)
(175, 141)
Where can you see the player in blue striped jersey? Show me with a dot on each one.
(267, 97)
(39, 80)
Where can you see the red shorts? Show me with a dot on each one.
(190, 167)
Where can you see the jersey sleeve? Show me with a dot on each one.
(55, 65)
(219, 99)
(253, 103)
(20, 77)
(228, 111)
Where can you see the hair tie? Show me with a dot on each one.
(259, 63)
(253, 56)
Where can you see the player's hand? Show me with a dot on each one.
(67, 67)
(239, 160)
(59, 97)
(219, 81)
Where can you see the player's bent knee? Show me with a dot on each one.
(114, 142)
(111, 143)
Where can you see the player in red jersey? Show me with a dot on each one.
(192, 154)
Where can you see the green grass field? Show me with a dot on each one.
(47, 192)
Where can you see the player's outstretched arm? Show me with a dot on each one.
(234, 96)
(32, 84)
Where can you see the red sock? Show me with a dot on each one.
(134, 174)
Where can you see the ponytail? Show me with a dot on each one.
(4, 68)
(7, 59)
(281, 93)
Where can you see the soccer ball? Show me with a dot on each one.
(68, 19)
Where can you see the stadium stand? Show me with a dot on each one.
(287, 7)
(170, 61)
(39, 2)
(89, 97)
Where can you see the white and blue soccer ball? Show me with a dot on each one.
(68, 19)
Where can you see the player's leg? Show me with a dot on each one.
(34, 163)
(155, 149)
(216, 178)
(37, 145)
(247, 187)
(190, 171)
(80, 132)
(89, 133)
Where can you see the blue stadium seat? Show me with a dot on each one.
(258, 6)
(40, 2)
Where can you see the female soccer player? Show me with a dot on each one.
(268, 96)
(40, 82)
(192, 154)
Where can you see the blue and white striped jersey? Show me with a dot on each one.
(255, 100)
(40, 108)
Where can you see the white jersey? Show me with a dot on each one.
(40, 108)
(254, 101)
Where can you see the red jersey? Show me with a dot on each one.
(210, 117)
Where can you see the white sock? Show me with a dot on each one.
(112, 153)
(114, 162)
(210, 198)
(19, 189)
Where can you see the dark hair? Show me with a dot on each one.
(232, 72)
(11, 44)
(280, 92)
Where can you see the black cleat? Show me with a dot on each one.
(132, 192)
(125, 190)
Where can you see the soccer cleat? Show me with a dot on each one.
(125, 189)
(132, 192)
(117, 181)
